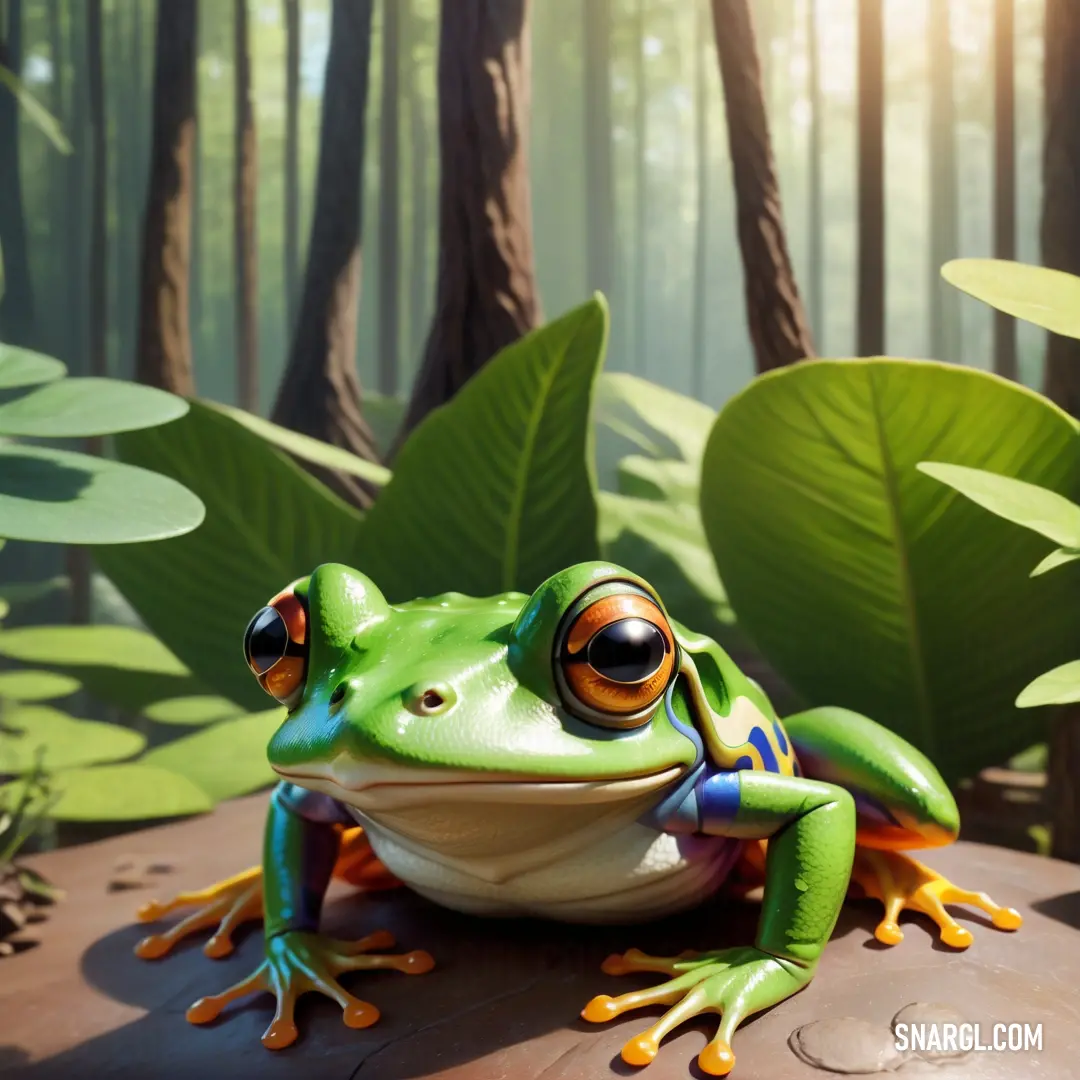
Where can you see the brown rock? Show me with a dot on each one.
(503, 1001)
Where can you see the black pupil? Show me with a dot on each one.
(266, 640)
(627, 651)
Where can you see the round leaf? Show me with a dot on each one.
(1058, 687)
(82, 407)
(867, 584)
(191, 711)
(65, 740)
(36, 685)
(1047, 298)
(130, 792)
(60, 497)
(494, 490)
(21, 367)
(268, 522)
(225, 759)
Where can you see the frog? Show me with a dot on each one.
(576, 755)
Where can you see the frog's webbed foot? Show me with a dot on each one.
(298, 963)
(732, 982)
(227, 905)
(902, 883)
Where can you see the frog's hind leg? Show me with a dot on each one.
(227, 905)
(902, 804)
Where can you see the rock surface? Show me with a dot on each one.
(503, 1001)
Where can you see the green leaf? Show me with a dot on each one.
(494, 490)
(191, 711)
(36, 685)
(130, 792)
(1058, 687)
(384, 415)
(268, 522)
(70, 408)
(60, 497)
(118, 665)
(1056, 559)
(1033, 759)
(1047, 298)
(225, 759)
(1042, 511)
(868, 585)
(305, 447)
(675, 482)
(21, 367)
(66, 740)
(38, 115)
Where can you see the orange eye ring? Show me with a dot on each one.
(276, 646)
(617, 658)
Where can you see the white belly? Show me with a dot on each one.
(632, 874)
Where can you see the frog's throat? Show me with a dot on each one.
(381, 787)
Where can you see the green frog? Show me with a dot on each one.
(575, 755)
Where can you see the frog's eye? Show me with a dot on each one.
(617, 657)
(276, 647)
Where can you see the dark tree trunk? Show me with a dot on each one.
(164, 343)
(1004, 172)
(17, 323)
(944, 193)
(418, 149)
(641, 191)
(390, 203)
(1061, 190)
(815, 184)
(59, 225)
(292, 163)
(701, 237)
(320, 392)
(599, 175)
(775, 314)
(244, 246)
(870, 330)
(486, 295)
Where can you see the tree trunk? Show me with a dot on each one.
(418, 150)
(320, 392)
(944, 192)
(599, 176)
(292, 163)
(1061, 193)
(59, 226)
(486, 296)
(1004, 172)
(17, 323)
(701, 238)
(244, 244)
(815, 184)
(774, 309)
(164, 350)
(641, 191)
(389, 203)
(870, 330)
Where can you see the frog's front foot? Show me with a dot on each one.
(226, 905)
(732, 982)
(902, 883)
(297, 963)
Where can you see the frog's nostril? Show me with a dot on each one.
(338, 694)
(428, 700)
(432, 699)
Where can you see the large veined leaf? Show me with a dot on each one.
(64, 740)
(869, 585)
(1058, 687)
(226, 759)
(668, 480)
(68, 408)
(1047, 298)
(267, 523)
(56, 496)
(129, 792)
(36, 685)
(21, 367)
(119, 665)
(494, 490)
(303, 446)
